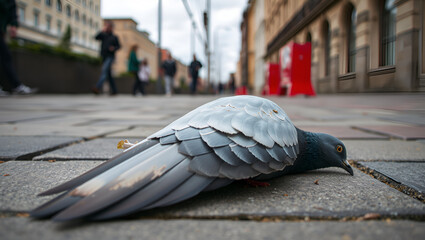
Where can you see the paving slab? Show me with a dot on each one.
(407, 118)
(13, 147)
(411, 174)
(391, 150)
(57, 130)
(336, 195)
(97, 149)
(403, 132)
(20, 116)
(23, 228)
(137, 132)
(25, 179)
(343, 132)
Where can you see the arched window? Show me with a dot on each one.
(388, 35)
(68, 10)
(77, 15)
(48, 3)
(59, 5)
(327, 47)
(352, 39)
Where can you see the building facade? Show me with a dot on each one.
(357, 45)
(45, 21)
(128, 35)
(260, 46)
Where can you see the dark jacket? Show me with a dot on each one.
(108, 39)
(7, 15)
(169, 67)
(194, 68)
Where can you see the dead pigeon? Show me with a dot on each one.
(241, 137)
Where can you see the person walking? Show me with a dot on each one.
(8, 17)
(169, 67)
(194, 67)
(110, 44)
(144, 73)
(133, 67)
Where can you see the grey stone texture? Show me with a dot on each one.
(410, 174)
(23, 228)
(13, 147)
(322, 204)
(97, 149)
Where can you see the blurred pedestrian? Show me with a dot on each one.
(144, 73)
(110, 44)
(194, 67)
(133, 67)
(170, 69)
(232, 83)
(8, 17)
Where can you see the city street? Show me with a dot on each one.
(48, 139)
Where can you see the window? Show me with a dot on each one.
(84, 37)
(388, 36)
(96, 10)
(91, 5)
(84, 3)
(68, 11)
(59, 27)
(76, 35)
(77, 15)
(48, 22)
(59, 5)
(90, 23)
(48, 3)
(36, 18)
(327, 42)
(21, 13)
(352, 41)
(308, 38)
(83, 18)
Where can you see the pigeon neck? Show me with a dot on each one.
(309, 157)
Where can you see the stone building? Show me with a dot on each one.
(129, 35)
(357, 45)
(45, 21)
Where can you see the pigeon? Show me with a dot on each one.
(228, 139)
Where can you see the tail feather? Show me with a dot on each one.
(126, 183)
(54, 206)
(100, 169)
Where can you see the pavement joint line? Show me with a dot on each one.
(30, 156)
(30, 119)
(411, 192)
(106, 134)
(390, 137)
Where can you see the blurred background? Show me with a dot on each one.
(270, 47)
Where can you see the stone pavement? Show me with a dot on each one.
(48, 139)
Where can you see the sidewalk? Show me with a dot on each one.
(48, 139)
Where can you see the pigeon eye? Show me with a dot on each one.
(339, 148)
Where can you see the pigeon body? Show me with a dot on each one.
(222, 141)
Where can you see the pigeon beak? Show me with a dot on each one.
(347, 167)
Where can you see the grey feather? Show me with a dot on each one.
(226, 154)
(243, 154)
(215, 139)
(277, 153)
(187, 134)
(290, 151)
(170, 139)
(242, 141)
(277, 165)
(244, 123)
(206, 165)
(191, 187)
(147, 195)
(243, 171)
(260, 152)
(276, 132)
(261, 135)
(200, 120)
(221, 121)
(262, 167)
(194, 147)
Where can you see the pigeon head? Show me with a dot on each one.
(332, 152)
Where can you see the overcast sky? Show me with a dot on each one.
(176, 27)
